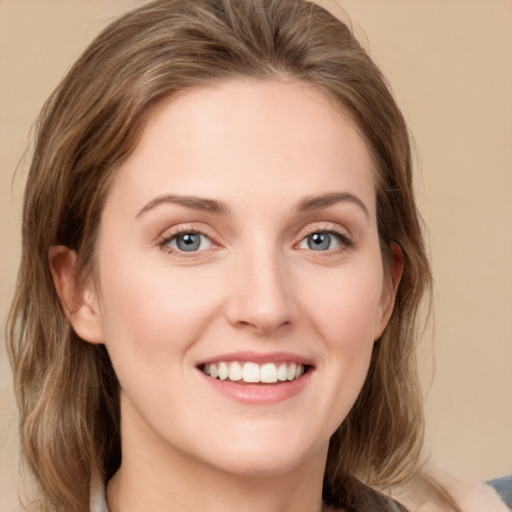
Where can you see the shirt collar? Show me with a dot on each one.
(98, 501)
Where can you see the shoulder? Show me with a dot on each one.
(503, 487)
(363, 499)
(441, 492)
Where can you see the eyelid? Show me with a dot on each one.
(183, 229)
(326, 227)
(343, 235)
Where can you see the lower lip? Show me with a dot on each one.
(259, 393)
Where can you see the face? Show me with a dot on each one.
(240, 286)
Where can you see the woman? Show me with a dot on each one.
(219, 309)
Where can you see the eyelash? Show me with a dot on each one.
(342, 238)
(167, 239)
(163, 243)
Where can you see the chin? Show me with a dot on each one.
(265, 455)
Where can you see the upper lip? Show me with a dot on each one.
(258, 357)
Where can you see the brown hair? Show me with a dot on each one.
(66, 389)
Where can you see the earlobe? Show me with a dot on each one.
(79, 303)
(391, 282)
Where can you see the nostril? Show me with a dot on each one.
(263, 327)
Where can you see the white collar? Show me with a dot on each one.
(98, 501)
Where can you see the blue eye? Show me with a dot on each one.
(324, 241)
(188, 242)
(319, 241)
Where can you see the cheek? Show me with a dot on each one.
(345, 304)
(154, 309)
(345, 316)
(348, 330)
(151, 322)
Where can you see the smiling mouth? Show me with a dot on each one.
(254, 373)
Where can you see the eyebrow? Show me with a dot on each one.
(196, 203)
(220, 208)
(326, 200)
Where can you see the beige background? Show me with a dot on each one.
(450, 65)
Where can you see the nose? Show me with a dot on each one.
(260, 295)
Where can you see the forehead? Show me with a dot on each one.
(241, 136)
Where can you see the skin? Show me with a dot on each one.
(255, 284)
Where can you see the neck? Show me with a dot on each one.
(159, 478)
(186, 488)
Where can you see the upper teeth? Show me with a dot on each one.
(253, 372)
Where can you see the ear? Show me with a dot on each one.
(390, 286)
(80, 303)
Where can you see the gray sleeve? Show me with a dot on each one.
(503, 486)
